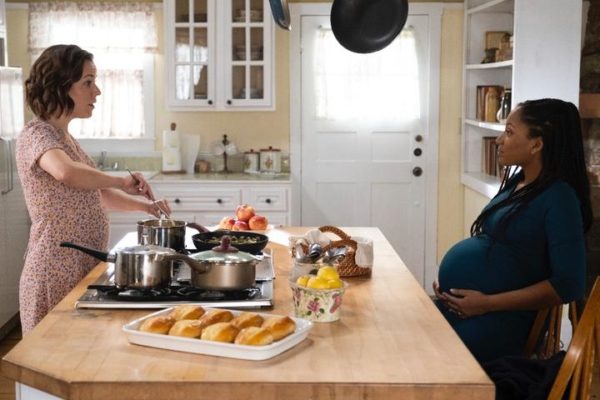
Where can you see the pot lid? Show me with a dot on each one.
(224, 254)
(144, 249)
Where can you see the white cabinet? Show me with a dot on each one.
(545, 63)
(14, 234)
(3, 49)
(219, 55)
(207, 203)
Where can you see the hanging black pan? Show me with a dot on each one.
(281, 13)
(366, 26)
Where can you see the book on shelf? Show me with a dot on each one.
(488, 102)
(489, 159)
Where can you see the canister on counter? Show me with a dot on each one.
(251, 163)
(270, 160)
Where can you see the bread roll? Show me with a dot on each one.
(220, 332)
(160, 324)
(188, 311)
(214, 316)
(247, 319)
(254, 336)
(280, 327)
(187, 328)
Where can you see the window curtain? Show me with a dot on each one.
(381, 86)
(119, 35)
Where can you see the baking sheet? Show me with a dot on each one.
(230, 350)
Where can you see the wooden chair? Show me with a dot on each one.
(544, 337)
(578, 365)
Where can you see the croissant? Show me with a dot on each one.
(246, 319)
(254, 336)
(188, 311)
(280, 327)
(220, 332)
(160, 324)
(186, 328)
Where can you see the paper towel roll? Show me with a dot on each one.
(190, 144)
(171, 155)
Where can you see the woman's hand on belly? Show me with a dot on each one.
(465, 302)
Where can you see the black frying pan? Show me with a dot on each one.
(207, 240)
(366, 26)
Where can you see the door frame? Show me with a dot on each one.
(434, 12)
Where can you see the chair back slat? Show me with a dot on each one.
(577, 366)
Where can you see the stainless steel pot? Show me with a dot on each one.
(141, 266)
(224, 268)
(165, 232)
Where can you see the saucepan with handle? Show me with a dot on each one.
(142, 266)
(165, 232)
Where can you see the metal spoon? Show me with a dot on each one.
(163, 213)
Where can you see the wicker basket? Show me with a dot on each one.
(347, 266)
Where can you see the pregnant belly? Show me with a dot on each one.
(464, 267)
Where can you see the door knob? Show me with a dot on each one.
(419, 138)
(417, 152)
(417, 171)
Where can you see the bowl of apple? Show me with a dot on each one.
(318, 297)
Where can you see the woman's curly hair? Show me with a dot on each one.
(51, 78)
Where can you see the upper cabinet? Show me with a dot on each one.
(3, 50)
(219, 55)
(541, 59)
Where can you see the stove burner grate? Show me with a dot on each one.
(173, 293)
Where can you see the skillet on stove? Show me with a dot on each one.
(249, 242)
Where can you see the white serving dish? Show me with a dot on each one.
(230, 350)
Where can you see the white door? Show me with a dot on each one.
(367, 171)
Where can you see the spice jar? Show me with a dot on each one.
(251, 161)
(270, 160)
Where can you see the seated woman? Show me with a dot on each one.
(527, 247)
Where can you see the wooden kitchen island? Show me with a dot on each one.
(391, 343)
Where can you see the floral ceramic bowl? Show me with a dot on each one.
(318, 305)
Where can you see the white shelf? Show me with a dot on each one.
(493, 126)
(493, 6)
(485, 184)
(494, 65)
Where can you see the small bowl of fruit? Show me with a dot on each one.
(318, 297)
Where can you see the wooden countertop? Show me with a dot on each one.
(391, 343)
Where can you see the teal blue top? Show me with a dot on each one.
(544, 241)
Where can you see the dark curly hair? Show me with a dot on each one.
(51, 78)
(557, 123)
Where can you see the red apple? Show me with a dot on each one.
(227, 223)
(240, 226)
(258, 223)
(244, 212)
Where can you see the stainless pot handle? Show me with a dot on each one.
(195, 265)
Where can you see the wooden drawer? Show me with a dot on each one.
(267, 199)
(222, 200)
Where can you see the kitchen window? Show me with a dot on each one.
(122, 37)
(385, 83)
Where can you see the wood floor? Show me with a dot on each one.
(7, 387)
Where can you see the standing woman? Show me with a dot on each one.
(66, 195)
(527, 247)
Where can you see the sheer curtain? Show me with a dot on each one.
(118, 34)
(384, 85)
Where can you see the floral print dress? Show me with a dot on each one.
(58, 213)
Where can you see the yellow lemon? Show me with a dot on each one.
(334, 283)
(316, 282)
(302, 280)
(328, 273)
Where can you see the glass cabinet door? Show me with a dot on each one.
(250, 23)
(192, 69)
